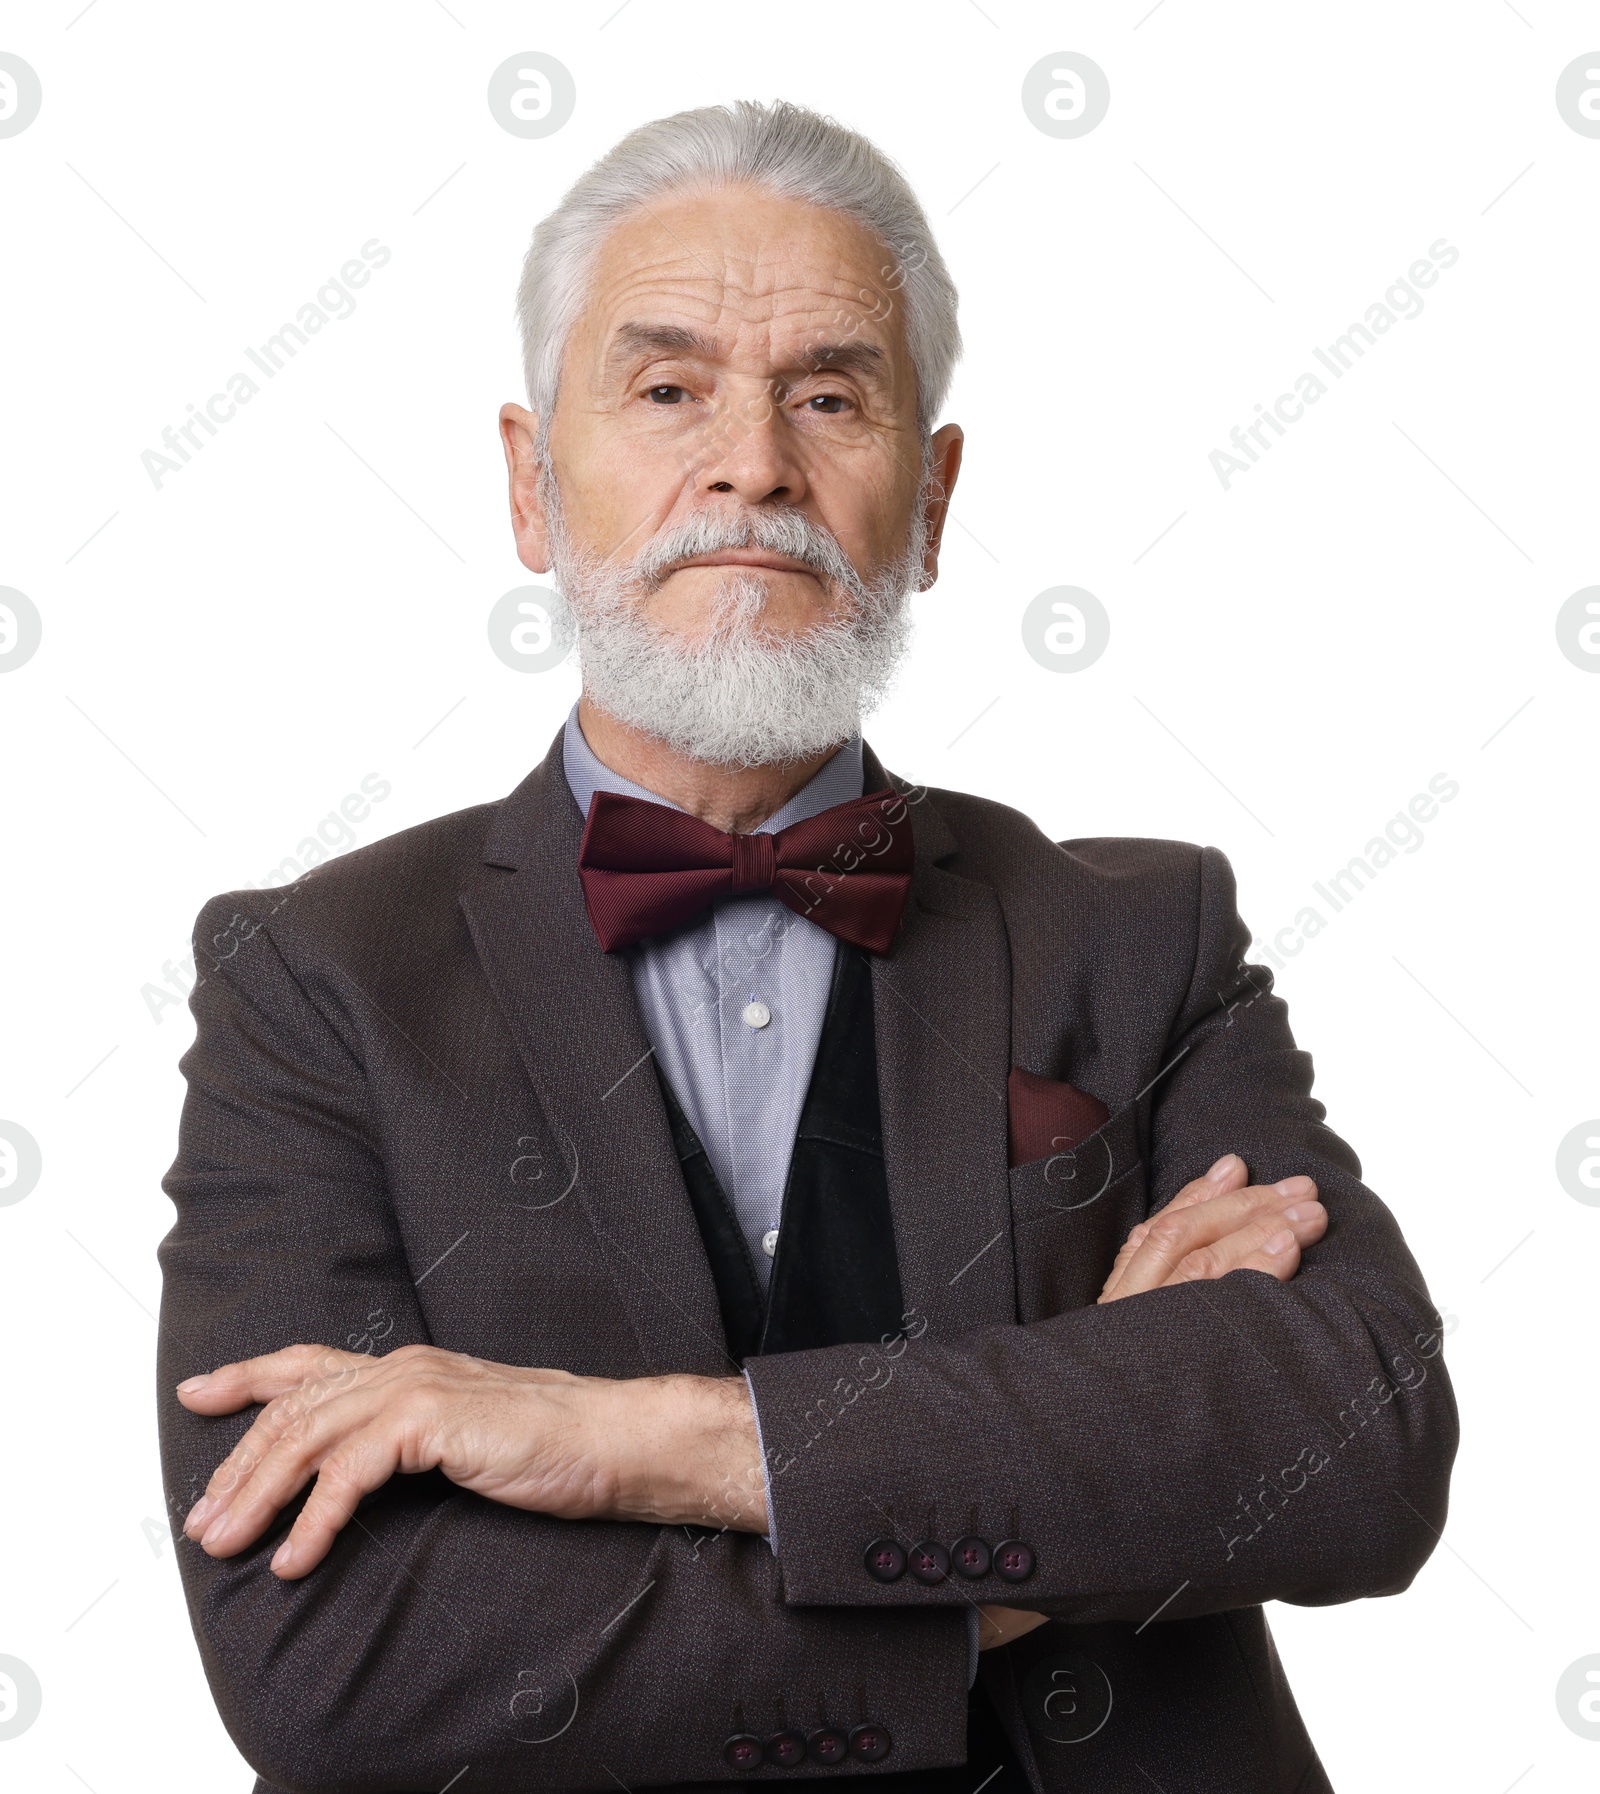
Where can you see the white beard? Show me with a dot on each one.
(739, 695)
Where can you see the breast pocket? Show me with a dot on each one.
(1071, 1212)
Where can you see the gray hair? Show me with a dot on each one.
(783, 148)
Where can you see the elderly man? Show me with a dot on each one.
(726, 1264)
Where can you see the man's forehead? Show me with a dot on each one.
(730, 272)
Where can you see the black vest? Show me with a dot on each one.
(835, 1277)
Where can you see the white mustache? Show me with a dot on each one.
(790, 533)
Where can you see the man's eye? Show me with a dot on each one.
(828, 402)
(666, 395)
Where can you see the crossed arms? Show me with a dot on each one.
(672, 1451)
(536, 1598)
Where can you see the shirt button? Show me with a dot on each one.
(769, 1242)
(755, 1015)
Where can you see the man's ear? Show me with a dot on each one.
(518, 433)
(946, 446)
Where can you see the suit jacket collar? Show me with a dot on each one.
(941, 1003)
(571, 1011)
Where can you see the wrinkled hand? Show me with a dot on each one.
(1217, 1224)
(679, 1450)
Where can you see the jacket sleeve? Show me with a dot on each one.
(445, 1630)
(1187, 1450)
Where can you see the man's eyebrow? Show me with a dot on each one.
(854, 357)
(634, 339)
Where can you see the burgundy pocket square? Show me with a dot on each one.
(1048, 1115)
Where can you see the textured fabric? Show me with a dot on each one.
(740, 1087)
(418, 1109)
(836, 1277)
(648, 869)
(1047, 1115)
(741, 1299)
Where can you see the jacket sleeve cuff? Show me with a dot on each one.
(771, 1535)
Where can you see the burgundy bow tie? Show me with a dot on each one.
(647, 868)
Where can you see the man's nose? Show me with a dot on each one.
(754, 454)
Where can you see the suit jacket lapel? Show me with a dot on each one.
(941, 1008)
(572, 1012)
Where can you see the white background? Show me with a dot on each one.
(226, 657)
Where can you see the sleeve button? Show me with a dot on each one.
(869, 1743)
(929, 1562)
(827, 1744)
(785, 1749)
(970, 1557)
(885, 1560)
(1013, 1560)
(742, 1751)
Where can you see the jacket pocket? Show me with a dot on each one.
(1070, 1214)
(1078, 1176)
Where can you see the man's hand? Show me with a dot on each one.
(676, 1450)
(673, 1450)
(1220, 1223)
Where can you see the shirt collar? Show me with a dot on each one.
(835, 782)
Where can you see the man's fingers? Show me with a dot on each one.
(270, 1466)
(1172, 1234)
(356, 1454)
(1226, 1176)
(305, 1414)
(1125, 1253)
(364, 1464)
(234, 1386)
(1272, 1242)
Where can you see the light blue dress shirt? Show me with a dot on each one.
(733, 1006)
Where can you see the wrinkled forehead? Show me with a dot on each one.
(756, 279)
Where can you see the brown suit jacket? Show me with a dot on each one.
(419, 1109)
